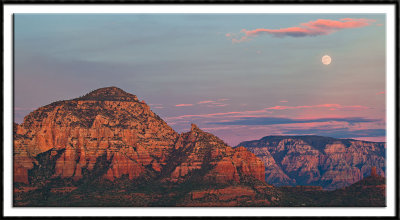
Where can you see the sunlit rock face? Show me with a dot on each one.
(109, 134)
(204, 154)
(314, 160)
(106, 122)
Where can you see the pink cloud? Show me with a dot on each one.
(341, 24)
(283, 101)
(183, 105)
(212, 103)
(330, 106)
(267, 111)
(311, 28)
(381, 93)
(291, 31)
(231, 114)
(223, 128)
(204, 102)
(233, 134)
(242, 39)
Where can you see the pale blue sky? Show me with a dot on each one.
(173, 59)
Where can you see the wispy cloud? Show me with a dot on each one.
(211, 103)
(183, 105)
(156, 106)
(340, 132)
(283, 101)
(211, 115)
(205, 102)
(330, 106)
(222, 100)
(278, 120)
(265, 111)
(311, 28)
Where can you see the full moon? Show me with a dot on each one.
(326, 60)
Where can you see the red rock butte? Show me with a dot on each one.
(111, 129)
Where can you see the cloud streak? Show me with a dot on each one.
(183, 105)
(340, 133)
(210, 103)
(330, 106)
(264, 111)
(278, 120)
(205, 102)
(211, 115)
(311, 28)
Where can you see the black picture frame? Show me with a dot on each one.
(393, 3)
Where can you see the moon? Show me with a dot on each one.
(326, 60)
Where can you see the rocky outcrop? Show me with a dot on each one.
(204, 156)
(313, 160)
(111, 134)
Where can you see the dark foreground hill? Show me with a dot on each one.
(367, 192)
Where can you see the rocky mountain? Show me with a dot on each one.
(319, 161)
(109, 136)
(106, 126)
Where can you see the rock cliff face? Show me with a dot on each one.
(314, 160)
(110, 134)
(203, 155)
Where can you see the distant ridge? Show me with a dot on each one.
(316, 160)
(311, 138)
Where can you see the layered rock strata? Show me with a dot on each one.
(320, 161)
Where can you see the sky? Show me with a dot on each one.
(238, 76)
